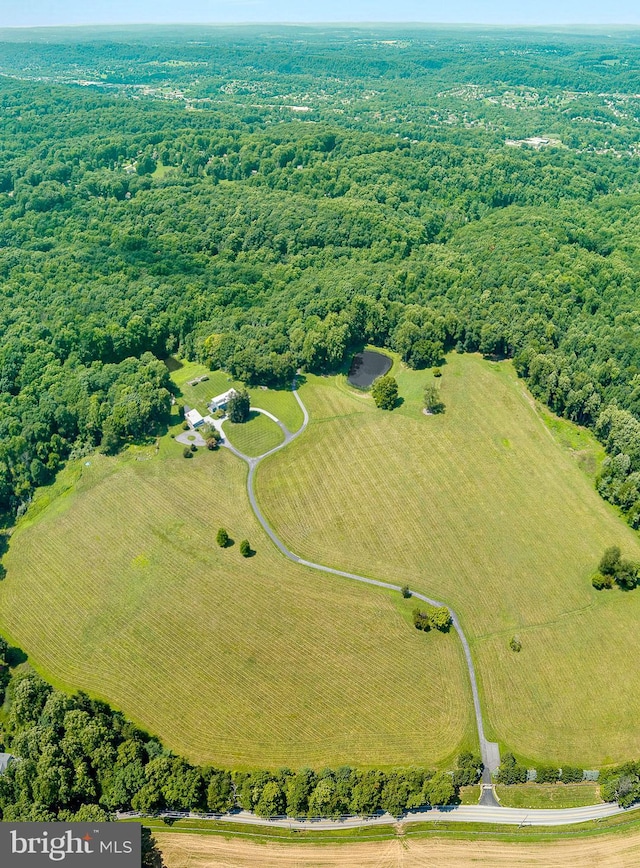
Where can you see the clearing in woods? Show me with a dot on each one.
(280, 402)
(482, 507)
(115, 585)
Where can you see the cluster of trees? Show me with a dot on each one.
(52, 409)
(621, 784)
(212, 437)
(337, 792)
(513, 772)
(613, 568)
(79, 761)
(619, 479)
(426, 617)
(239, 406)
(224, 541)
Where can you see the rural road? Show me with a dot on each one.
(489, 750)
(448, 814)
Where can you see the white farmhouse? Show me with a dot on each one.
(220, 401)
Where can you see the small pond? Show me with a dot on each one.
(367, 367)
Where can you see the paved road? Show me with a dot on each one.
(489, 750)
(449, 814)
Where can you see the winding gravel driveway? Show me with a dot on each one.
(489, 750)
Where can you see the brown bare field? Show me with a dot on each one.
(205, 851)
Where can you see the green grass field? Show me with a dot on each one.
(549, 795)
(490, 510)
(256, 436)
(281, 402)
(115, 586)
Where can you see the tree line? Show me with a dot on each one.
(78, 760)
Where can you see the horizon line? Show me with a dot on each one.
(454, 24)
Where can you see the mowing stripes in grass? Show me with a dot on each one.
(118, 588)
(481, 508)
(256, 436)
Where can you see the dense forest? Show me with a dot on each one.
(269, 201)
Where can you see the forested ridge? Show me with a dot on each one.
(182, 204)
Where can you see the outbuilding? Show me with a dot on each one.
(194, 418)
(5, 759)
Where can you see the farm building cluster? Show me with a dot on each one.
(194, 418)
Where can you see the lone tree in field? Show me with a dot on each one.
(238, 406)
(441, 618)
(610, 561)
(245, 548)
(432, 400)
(614, 568)
(222, 538)
(385, 392)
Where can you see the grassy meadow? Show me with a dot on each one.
(115, 586)
(281, 403)
(256, 436)
(491, 508)
(533, 795)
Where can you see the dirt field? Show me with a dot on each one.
(199, 851)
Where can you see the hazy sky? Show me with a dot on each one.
(26, 12)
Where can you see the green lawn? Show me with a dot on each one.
(280, 402)
(549, 795)
(488, 509)
(115, 586)
(470, 795)
(256, 436)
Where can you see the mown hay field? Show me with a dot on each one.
(256, 436)
(533, 795)
(483, 508)
(115, 585)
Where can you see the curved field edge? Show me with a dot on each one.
(117, 587)
(482, 508)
